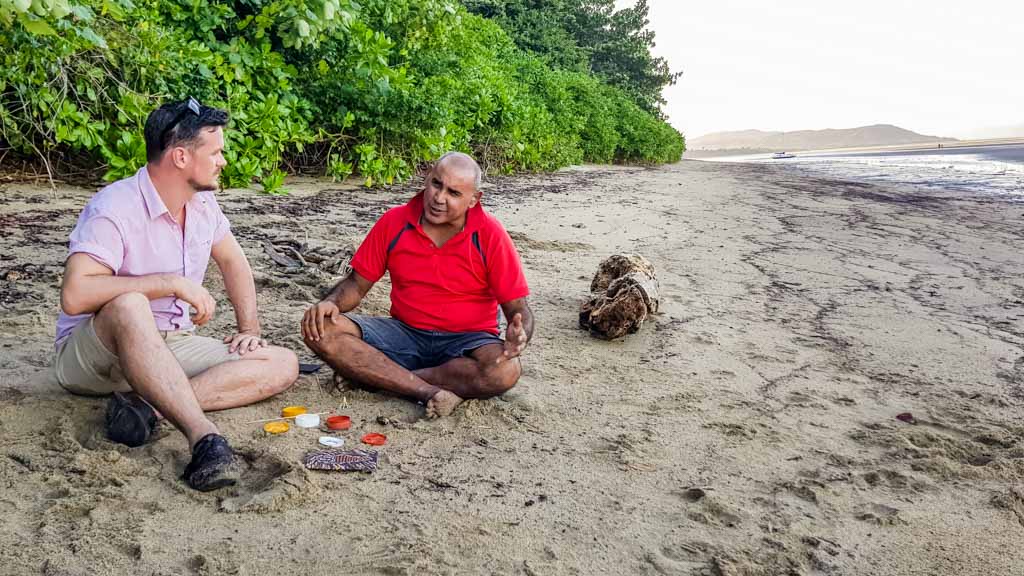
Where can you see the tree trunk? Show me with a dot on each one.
(624, 294)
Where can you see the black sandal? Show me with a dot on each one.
(130, 420)
(212, 465)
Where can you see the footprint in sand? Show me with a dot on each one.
(709, 510)
(880, 514)
(268, 483)
(944, 451)
(1013, 500)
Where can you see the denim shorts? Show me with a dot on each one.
(412, 348)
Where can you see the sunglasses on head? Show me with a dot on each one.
(192, 105)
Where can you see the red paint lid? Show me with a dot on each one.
(339, 422)
(374, 439)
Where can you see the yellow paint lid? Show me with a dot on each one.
(277, 427)
(292, 411)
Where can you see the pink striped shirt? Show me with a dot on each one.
(127, 228)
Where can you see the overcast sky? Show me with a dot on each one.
(939, 67)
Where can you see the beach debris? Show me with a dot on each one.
(292, 411)
(624, 292)
(341, 460)
(276, 427)
(279, 254)
(694, 494)
(307, 420)
(375, 439)
(390, 421)
(331, 441)
(338, 422)
(293, 255)
(309, 368)
(906, 417)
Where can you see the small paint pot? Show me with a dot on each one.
(292, 411)
(277, 427)
(339, 423)
(307, 420)
(375, 439)
(331, 441)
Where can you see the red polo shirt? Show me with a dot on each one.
(454, 288)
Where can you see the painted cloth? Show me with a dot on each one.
(346, 460)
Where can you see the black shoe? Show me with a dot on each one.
(212, 465)
(130, 420)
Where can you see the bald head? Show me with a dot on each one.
(463, 164)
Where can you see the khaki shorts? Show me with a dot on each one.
(83, 365)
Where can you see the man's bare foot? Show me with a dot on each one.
(442, 404)
(339, 383)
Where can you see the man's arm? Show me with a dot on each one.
(238, 283)
(241, 289)
(89, 285)
(345, 296)
(348, 293)
(520, 327)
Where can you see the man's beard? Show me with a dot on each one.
(204, 187)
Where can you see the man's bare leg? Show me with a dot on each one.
(256, 376)
(342, 347)
(126, 327)
(479, 375)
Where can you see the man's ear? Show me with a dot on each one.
(476, 199)
(179, 156)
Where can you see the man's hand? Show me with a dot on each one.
(198, 297)
(244, 342)
(313, 322)
(515, 339)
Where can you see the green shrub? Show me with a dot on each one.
(375, 87)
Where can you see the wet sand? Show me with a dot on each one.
(749, 429)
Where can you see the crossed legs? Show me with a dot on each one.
(442, 388)
(126, 327)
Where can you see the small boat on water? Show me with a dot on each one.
(781, 155)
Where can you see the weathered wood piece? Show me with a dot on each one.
(624, 293)
(279, 258)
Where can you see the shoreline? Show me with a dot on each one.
(750, 428)
(895, 148)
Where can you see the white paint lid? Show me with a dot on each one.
(331, 441)
(307, 420)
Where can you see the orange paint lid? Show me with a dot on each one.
(277, 427)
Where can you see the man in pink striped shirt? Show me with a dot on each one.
(135, 267)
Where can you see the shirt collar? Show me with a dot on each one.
(154, 203)
(474, 218)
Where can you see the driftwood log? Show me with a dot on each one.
(624, 293)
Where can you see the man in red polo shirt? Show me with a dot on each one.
(452, 264)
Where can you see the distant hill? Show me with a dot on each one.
(876, 135)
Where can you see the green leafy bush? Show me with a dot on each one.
(375, 88)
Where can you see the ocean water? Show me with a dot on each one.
(976, 170)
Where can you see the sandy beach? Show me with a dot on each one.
(750, 429)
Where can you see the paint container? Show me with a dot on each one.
(375, 439)
(332, 441)
(307, 420)
(276, 427)
(339, 423)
